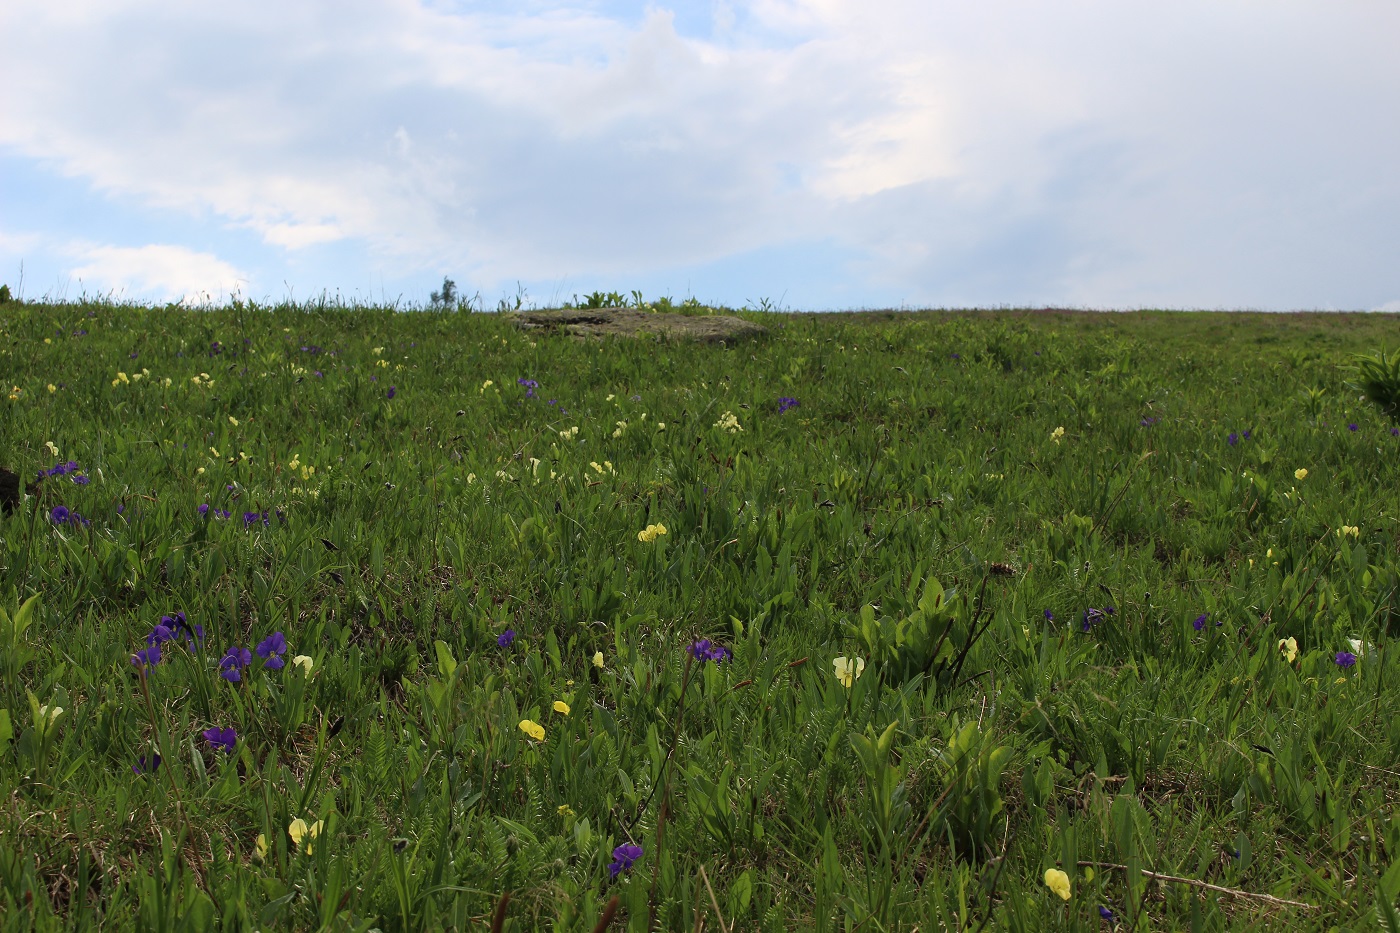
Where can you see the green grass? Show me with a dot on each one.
(913, 511)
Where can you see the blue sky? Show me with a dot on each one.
(814, 153)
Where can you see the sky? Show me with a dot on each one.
(799, 154)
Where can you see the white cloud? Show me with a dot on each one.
(162, 272)
(1089, 151)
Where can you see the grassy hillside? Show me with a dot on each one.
(567, 621)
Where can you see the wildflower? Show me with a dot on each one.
(1200, 622)
(146, 657)
(848, 670)
(260, 847)
(48, 715)
(561, 707)
(484, 386)
(271, 649)
(178, 624)
(303, 833)
(650, 533)
(598, 660)
(221, 739)
(60, 515)
(1353, 427)
(505, 638)
(52, 388)
(1049, 616)
(620, 430)
(233, 421)
(704, 650)
(305, 662)
(1300, 474)
(624, 857)
(377, 351)
(785, 403)
(1106, 914)
(533, 729)
(1056, 434)
(1352, 530)
(233, 661)
(1345, 659)
(1058, 882)
(1395, 432)
(1289, 648)
(391, 393)
(146, 763)
(80, 479)
(203, 510)
(1233, 439)
(565, 810)
(52, 448)
(1358, 647)
(728, 422)
(1092, 617)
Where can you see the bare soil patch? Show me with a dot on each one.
(624, 322)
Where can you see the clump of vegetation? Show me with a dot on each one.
(1378, 378)
(326, 617)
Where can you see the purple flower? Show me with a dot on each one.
(1246, 434)
(1148, 422)
(785, 403)
(1233, 439)
(1200, 622)
(1105, 913)
(80, 479)
(146, 763)
(624, 857)
(271, 649)
(221, 739)
(1049, 616)
(146, 657)
(1345, 659)
(60, 515)
(203, 510)
(252, 518)
(222, 513)
(177, 624)
(505, 638)
(319, 374)
(1352, 427)
(391, 393)
(159, 635)
(232, 662)
(705, 650)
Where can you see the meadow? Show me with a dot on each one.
(329, 618)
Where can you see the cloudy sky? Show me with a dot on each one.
(811, 153)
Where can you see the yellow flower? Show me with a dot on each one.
(48, 715)
(305, 662)
(484, 386)
(533, 729)
(729, 422)
(565, 810)
(1058, 882)
(1352, 530)
(1056, 434)
(848, 670)
(1289, 647)
(233, 421)
(260, 847)
(377, 350)
(1300, 473)
(650, 533)
(48, 340)
(561, 707)
(52, 447)
(52, 388)
(300, 831)
(598, 660)
(471, 478)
